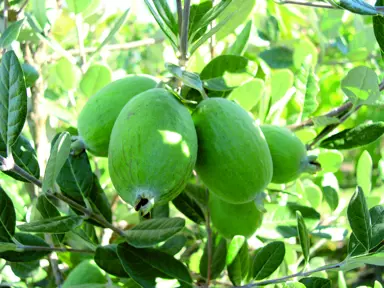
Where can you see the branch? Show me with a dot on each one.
(300, 274)
(309, 4)
(22, 7)
(18, 170)
(54, 249)
(333, 113)
(184, 33)
(112, 47)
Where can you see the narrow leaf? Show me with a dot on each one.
(238, 268)
(358, 136)
(106, 258)
(58, 157)
(241, 42)
(151, 232)
(59, 224)
(331, 197)
(145, 265)
(268, 259)
(7, 217)
(303, 236)
(116, 27)
(189, 207)
(166, 14)
(13, 99)
(219, 254)
(11, 34)
(359, 218)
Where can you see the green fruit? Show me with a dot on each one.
(233, 158)
(85, 273)
(289, 155)
(234, 219)
(153, 149)
(96, 120)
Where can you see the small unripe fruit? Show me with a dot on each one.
(289, 154)
(234, 219)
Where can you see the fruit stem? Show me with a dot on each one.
(78, 145)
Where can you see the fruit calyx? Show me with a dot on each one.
(144, 203)
(311, 166)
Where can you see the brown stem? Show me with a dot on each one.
(333, 113)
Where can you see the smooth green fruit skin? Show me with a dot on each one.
(96, 120)
(234, 219)
(153, 149)
(289, 155)
(233, 157)
(84, 273)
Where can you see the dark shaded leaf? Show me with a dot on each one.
(331, 197)
(303, 236)
(306, 212)
(189, 207)
(358, 136)
(278, 57)
(151, 232)
(174, 244)
(196, 13)
(268, 259)
(377, 222)
(106, 258)
(354, 246)
(355, 6)
(316, 282)
(30, 74)
(26, 256)
(160, 211)
(224, 63)
(99, 202)
(76, 178)
(25, 269)
(24, 156)
(60, 224)
(359, 218)
(145, 265)
(219, 254)
(13, 99)
(378, 26)
(7, 217)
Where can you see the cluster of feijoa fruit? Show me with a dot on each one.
(153, 143)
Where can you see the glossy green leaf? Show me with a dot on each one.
(145, 265)
(240, 45)
(75, 177)
(26, 256)
(278, 57)
(341, 280)
(359, 218)
(219, 254)
(238, 267)
(238, 10)
(25, 269)
(248, 94)
(378, 26)
(78, 6)
(60, 224)
(307, 89)
(234, 247)
(354, 246)
(376, 259)
(11, 33)
(7, 217)
(99, 201)
(377, 285)
(303, 236)
(331, 197)
(30, 74)
(96, 77)
(46, 208)
(377, 220)
(24, 156)
(189, 207)
(361, 86)
(151, 232)
(13, 99)
(364, 172)
(355, 6)
(106, 258)
(57, 159)
(166, 14)
(267, 260)
(316, 282)
(360, 135)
